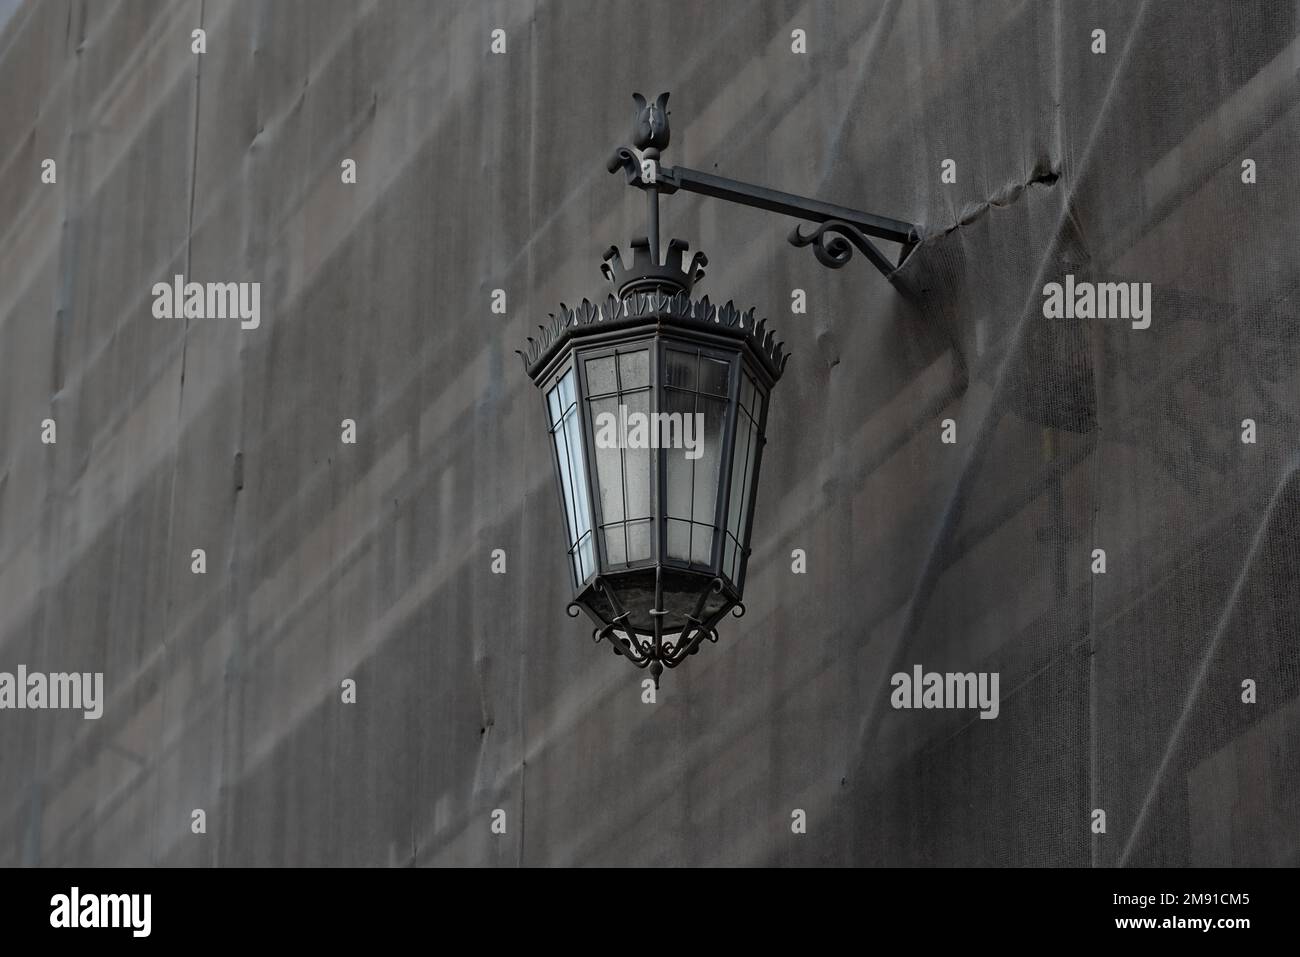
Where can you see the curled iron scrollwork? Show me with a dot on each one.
(628, 160)
(833, 243)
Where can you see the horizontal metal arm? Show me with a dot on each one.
(842, 229)
(788, 204)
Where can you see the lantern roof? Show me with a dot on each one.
(644, 300)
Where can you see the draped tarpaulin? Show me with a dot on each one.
(373, 562)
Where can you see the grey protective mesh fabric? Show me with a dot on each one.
(477, 171)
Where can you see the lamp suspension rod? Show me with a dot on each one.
(652, 212)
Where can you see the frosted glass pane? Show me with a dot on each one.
(708, 465)
(587, 554)
(680, 469)
(752, 452)
(756, 410)
(634, 369)
(679, 369)
(609, 460)
(566, 391)
(566, 482)
(747, 394)
(553, 405)
(638, 541)
(714, 376)
(577, 502)
(615, 547)
(600, 376)
(744, 433)
(679, 540)
(701, 544)
(637, 463)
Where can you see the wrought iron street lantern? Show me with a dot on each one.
(656, 406)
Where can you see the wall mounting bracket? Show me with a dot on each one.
(839, 229)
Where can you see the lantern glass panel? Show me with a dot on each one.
(696, 386)
(620, 378)
(749, 441)
(562, 405)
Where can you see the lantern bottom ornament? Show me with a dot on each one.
(658, 532)
(659, 645)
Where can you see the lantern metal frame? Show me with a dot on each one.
(656, 320)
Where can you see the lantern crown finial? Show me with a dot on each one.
(650, 124)
(647, 274)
